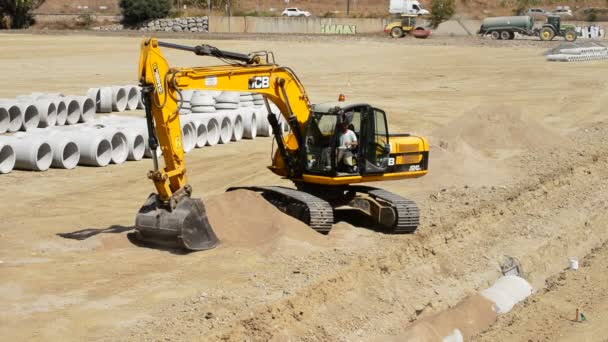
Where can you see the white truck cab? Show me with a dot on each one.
(407, 7)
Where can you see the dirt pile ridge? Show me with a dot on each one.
(244, 218)
(493, 127)
(481, 142)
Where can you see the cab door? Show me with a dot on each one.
(374, 144)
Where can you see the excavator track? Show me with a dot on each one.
(312, 210)
(408, 215)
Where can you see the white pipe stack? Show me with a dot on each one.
(579, 54)
(31, 153)
(7, 158)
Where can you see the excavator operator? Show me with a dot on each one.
(348, 145)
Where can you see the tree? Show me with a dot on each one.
(136, 11)
(19, 11)
(441, 10)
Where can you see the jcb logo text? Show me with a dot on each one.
(259, 82)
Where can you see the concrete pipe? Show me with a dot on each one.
(31, 153)
(15, 118)
(246, 98)
(118, 142)
(95, 149)
(249, 124)
(4, 120)
(201, 99)
(263, 128)
(187, 95)
(136, 142)
(132, 97)
(225, 129)
(48, 112)
(201, 133)
(226, 105)
(62, 112)
(73, 111)
(203, 109)
(29, 116)
(93, 94)
(119, 99)
(236, 121)
(7, 158)
(106, 96)
(66, 153)
(246, 104)
(188, 136)
(228, 97)
(213, 127)
(86, 108)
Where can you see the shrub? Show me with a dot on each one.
(136, 11)
(441, 10)
(19, 12)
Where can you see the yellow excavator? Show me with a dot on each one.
(319, 154)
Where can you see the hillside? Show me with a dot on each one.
(466, 8)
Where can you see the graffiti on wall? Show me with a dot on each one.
(338, 29)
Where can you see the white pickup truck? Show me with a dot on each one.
(407, 7)
(294, 12)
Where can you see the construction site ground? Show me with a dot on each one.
(518, 167)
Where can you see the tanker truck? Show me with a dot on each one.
(506, 27)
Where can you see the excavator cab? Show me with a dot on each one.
(324, 154)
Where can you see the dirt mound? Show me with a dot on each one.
(245, 219)
(474, 148)
(492, 127)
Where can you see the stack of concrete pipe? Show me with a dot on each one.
(116, 98)
(62, 131)
(579, 54)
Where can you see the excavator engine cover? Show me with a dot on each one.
(185, 227)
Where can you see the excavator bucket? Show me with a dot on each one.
(184, 227)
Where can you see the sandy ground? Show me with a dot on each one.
(518, 168)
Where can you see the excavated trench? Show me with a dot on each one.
(555, 210)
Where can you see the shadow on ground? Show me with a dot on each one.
(86, 233)
(358, 219)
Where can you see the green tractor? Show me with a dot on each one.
(553, 27)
